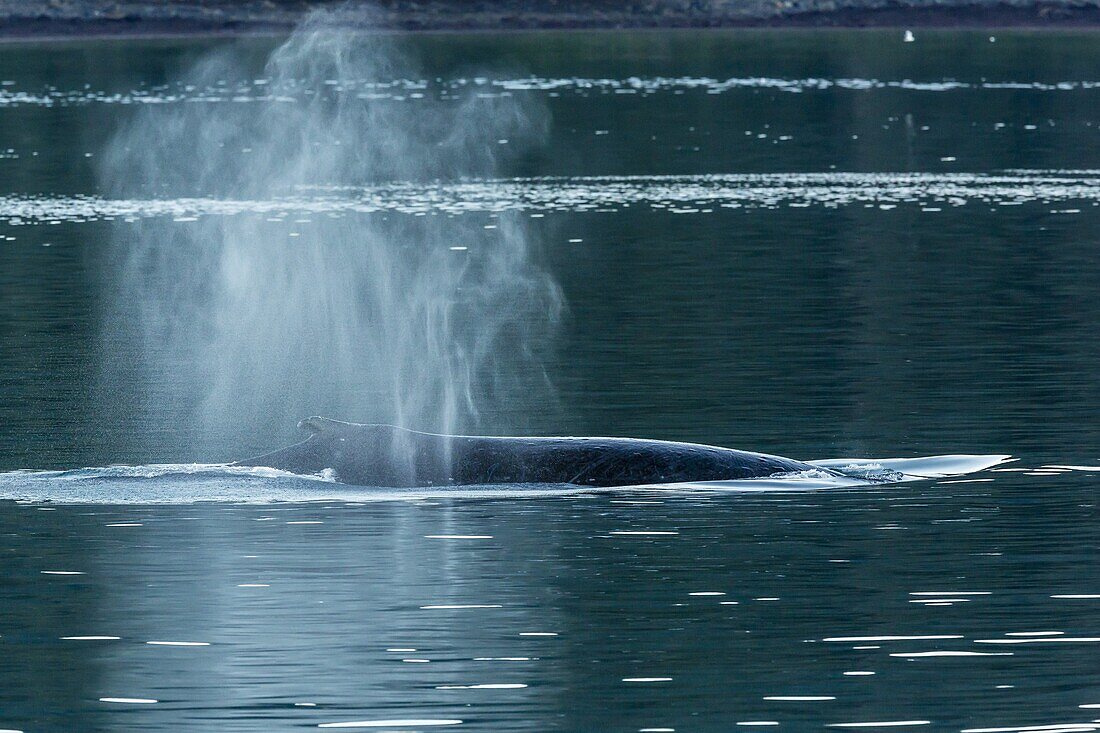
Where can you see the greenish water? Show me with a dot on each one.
(814, 244)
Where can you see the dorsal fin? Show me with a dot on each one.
(317, 424)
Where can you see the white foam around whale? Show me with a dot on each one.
(856, 472)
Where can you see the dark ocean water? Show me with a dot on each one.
(814, 244)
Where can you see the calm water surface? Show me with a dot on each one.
(810, 244)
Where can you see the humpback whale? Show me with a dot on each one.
(384, 455)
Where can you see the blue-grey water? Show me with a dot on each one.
(816, 244)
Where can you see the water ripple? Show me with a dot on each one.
(692, 194)
(412, 90)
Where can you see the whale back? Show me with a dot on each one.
(385, 455)
(607, 462)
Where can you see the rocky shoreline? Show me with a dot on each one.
(125, 18)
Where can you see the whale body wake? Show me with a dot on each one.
(247, 482)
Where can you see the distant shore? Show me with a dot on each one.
(42, 19)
